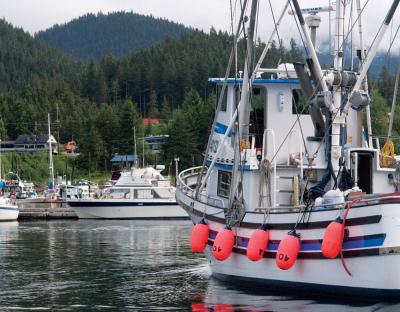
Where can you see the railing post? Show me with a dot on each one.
(265, 135)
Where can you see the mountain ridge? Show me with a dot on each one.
(92, 36)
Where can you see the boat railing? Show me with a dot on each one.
(265, 136)
(182, 183)
(271, 132)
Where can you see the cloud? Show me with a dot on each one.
(42, 14)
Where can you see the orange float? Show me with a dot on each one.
(288, 251)
(257, 245)
(199, 307)
(199, 237)
(223, 244)
(333, 239)
(223, 308)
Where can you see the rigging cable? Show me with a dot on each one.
(238, 30)
(317, 86)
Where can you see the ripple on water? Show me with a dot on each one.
(136, 265)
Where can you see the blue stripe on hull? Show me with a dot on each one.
(221, 129)
(367, 241)
(228, 167)
(142, 218)
(297, 288)
(118, 204)
(9, 208)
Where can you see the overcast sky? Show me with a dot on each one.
(35, 15)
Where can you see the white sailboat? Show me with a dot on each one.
(275, 180)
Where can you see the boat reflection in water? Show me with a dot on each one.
(97, 265)
(220, 296)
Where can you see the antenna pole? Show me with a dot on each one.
(51, 168)
(134, 138)
(58, 131)
(310, 46)
(143, 151)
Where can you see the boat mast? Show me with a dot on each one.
(337, 120)
(244, 111)
(318, 71)
(234, 116)
(371, 54)
(51, 167)
(242, 140)
(365, 82)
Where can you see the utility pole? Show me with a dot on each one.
(58, 131)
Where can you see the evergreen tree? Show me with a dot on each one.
(379, 113)
(129, 119)
(92, 149)
(165, 113)
(107, 124)
(153, 105)
(3, 131)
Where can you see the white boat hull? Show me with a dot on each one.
(111, 209)
(371, 252)
(8, 213)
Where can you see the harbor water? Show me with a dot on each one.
(127, 265)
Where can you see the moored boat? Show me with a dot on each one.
(138, 194)
(290, 194)
(8, 210)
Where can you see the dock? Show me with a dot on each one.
(46, 213)
(42, 210)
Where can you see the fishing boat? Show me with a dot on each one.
(140, 193)
(290, 194)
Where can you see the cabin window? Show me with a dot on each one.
(299, 105)
(257, 114)
(224, 99)
(143, 194)
(224, 183)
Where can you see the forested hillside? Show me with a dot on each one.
(121, 33)
(24, 60)
(100, 103)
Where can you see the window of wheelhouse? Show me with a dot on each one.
(257, 116)
(224, 99)
(299, 104)
(224, 183)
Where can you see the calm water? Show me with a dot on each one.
(124, 265)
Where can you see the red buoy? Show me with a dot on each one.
(288, 251)
(333, 239)
(223, 244)
(223, 308)
(199, 307)
(257, 244)
(199, 238)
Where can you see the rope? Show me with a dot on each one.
(265, 176)
(343, 232)
(387, 159)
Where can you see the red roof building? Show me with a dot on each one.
(152, 121)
